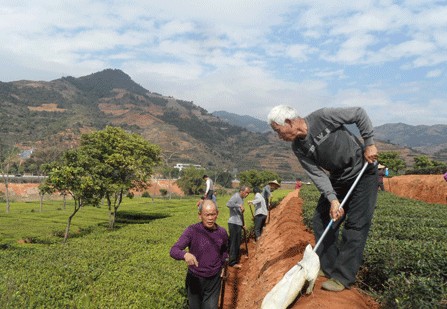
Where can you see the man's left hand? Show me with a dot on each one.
(371, 153)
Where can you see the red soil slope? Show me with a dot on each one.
(279, 249)
(283, 243)
(427, 188)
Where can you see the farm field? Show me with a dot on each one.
(130, 267)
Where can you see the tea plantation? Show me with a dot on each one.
(128, 267)
(405, 259)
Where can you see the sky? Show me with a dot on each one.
(244, 56)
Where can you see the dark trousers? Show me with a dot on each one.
(203, 293)
(342, 260)
(259, 224)
(234, 243)
(209, 195)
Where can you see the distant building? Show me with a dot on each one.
(26, 154)
(181, 166)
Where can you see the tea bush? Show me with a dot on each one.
(405, 258)
(128, 267)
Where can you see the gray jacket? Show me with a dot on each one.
(234, 204)
(330, 147)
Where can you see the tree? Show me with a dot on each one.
(224, 178)
(423, 161)
(256, 178)
(124, 162)
(191, 181)
(391, 160)
(72, 174)
(7, 156)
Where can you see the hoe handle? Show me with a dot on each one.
(342, 204)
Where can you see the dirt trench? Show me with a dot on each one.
(282, 246)
(279, 249)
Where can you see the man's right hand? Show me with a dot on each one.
(190, 259)
(336, 212)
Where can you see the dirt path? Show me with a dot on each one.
(280, 248)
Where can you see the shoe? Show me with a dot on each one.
(333, 285)
(321, 273)
(237, 266)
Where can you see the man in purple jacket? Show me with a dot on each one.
(207, 244)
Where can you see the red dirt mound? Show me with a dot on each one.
(30, 191)
(427, 188)
(279, 249)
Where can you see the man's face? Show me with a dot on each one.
(245, 193)
(285, 132)
(208, 215)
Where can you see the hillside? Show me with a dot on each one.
(245, 121)
(411, 140)
(37, 114)
(40, 115)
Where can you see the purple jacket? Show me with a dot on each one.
(208, 246)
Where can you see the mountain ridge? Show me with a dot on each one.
(42, 114)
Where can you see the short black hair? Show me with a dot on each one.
(205, 176)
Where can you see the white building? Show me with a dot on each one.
(181, 166)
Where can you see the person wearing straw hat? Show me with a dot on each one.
(267, 191)
(333, 157)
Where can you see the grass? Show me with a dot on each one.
(128, 267)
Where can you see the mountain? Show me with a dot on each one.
(43, 115)
(52, 115)
(431, 140)
(247, 122)
(423, 139)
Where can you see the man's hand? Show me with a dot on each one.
(242, 208)
(371, 153)
(190, 259)
(336, 212)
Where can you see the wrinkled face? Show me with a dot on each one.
(245, 193)
(285, 132)
(208, 216)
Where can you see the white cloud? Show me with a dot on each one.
(242, 55)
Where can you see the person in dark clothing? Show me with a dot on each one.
(333, 157)
(207, 243)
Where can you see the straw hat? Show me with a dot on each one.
(275, 182)
(381, 166)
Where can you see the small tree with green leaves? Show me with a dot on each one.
(72, 174)
(392, 161)
(257, 178)
(191, 181)
(124, 161)
(7, 160)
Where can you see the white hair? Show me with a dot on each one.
(280, 113)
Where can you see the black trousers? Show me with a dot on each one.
(209, 195)
(259, 224)
(203, 293)
(234, 243)
(342, 260)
